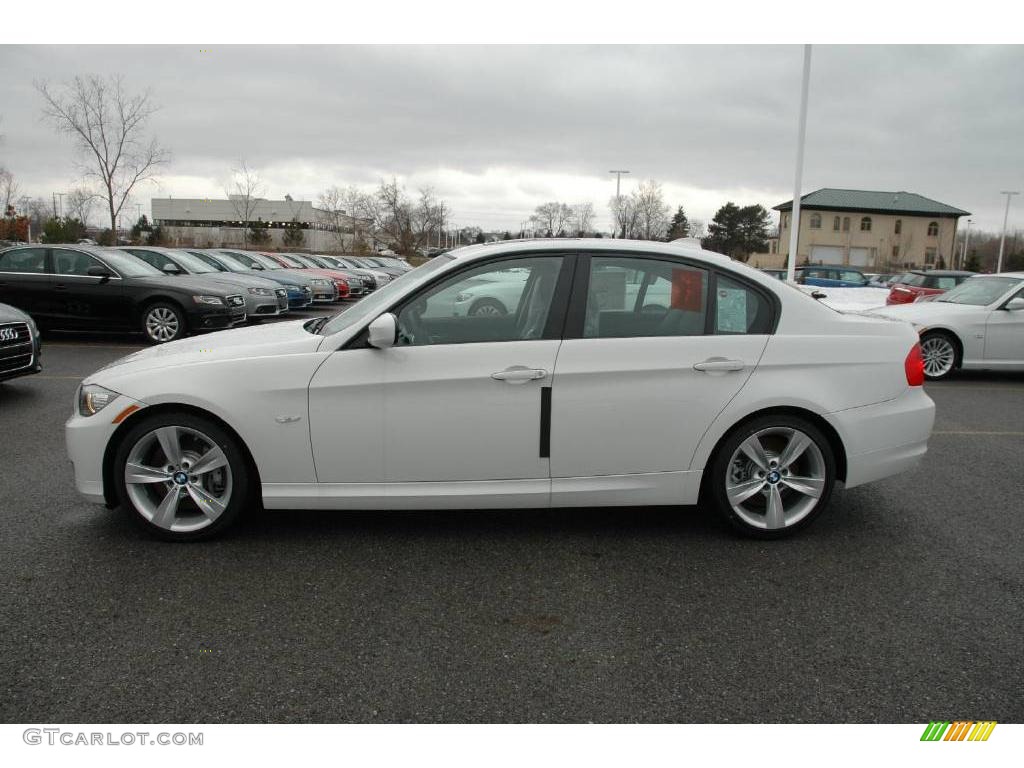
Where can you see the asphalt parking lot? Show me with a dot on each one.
(904, 603)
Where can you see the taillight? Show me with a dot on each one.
(914, 367)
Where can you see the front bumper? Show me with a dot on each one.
(86, 439)
(887, 438)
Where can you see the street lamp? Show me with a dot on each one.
(1002, 239)
(618, 196)
(794, 224)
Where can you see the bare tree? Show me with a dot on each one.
(109, 126)
(652, 212)
(9, 189)
(245, 191)
(409, 224)
(81, 201)
(349, 211)
(551, 218)
(582, 220)
(698, 228)
(625, 216)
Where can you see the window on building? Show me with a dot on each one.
(933, 229)
(846, 223)
(895, 251)
(899, 226)
(785, 220)
(865, 224)
(929, 255)
(815, 221)
(835, 224)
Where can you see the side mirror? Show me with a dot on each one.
(1013, 305)
(101, 272)
(170, 268)
(383, 331)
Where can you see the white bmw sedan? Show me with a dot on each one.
(732, 388)
(979, 324)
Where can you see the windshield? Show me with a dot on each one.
(980, 291)
(129, 266)
(378, 301)
(264, 261)
(244, 259)
(192, 262)
(218, 266)
(292, 261)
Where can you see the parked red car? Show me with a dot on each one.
(289, 262)
(918, 282)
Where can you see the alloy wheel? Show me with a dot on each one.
(775, 478)
(939, 356)
(162, 324)
(486, 310)
(178, 478)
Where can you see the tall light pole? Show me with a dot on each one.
(1002, 239)
(967, 241)
(794, 225)
(618, 197)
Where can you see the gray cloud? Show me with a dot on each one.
(498, 129)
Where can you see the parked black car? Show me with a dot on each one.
(20, 347)
(86, 288)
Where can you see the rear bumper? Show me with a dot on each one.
(887, 438)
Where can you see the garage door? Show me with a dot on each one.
(827, 254)
(860, 257)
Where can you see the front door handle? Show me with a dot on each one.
(519, 374)
(60, 287)
(719, 364)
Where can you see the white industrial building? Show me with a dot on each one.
(221, 222)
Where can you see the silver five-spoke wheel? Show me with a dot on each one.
(178, 479)
(939, 355)
(162, 324)
(775, 478)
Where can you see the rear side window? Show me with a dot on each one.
(944, 283)
(32, 260)
(630, 297)
(740, 309)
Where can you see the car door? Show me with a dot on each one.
(458, 399)
(84, 300)
(1004, 336)
(25, 282)
(654, 350)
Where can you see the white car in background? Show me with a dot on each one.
(621, 373)
(979, 324)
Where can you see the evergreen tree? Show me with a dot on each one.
(480, 238)
(294, 237)
(679, 226)
(258, 232)
(738, 232)
(508, 235)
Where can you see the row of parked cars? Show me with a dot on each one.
(904, 287)
(167, 293)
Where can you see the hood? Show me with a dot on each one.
(254, 341)
(186, 283)
(921, 313)
(9, 314)
(240, 279)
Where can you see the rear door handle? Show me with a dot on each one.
(719, 364)
(518, 374)
(60, 287)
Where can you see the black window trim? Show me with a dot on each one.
(50, 252)
(576, 316)
(554, 328)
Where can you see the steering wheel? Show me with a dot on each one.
(410, 326)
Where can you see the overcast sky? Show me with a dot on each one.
(497, 130)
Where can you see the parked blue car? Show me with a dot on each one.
(831, 276)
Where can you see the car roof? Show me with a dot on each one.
(943, 272)
(831, 266)
(639, 247)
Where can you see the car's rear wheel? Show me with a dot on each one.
(940, 353)
(163, 322)
(183, 477)
(773, 476)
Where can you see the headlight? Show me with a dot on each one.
(215, 300)
(322, 282)
(261, 291)
(93, 399)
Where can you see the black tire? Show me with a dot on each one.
(487, 307)
(241, 476)
(163, 310)
(953, 341)
(715, 485)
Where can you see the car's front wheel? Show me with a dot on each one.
(183, 477)
(940, 354)
(773, 476)
(163, 322)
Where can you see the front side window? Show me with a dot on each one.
(849, 276)
(152, 258)
(630, 297)
(73, 262)
(508, 300)
(865, 224)
(30, 260)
